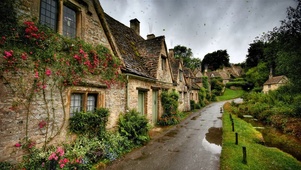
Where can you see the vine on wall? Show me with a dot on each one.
(38, 64)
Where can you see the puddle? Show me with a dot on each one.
(213, 140)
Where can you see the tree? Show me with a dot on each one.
(216, 60)
(255, 54)
(258, 75)
(287, 39)
(184, 53)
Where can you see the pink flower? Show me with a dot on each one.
(48, 72)
(60, 151)
(8, 54)
(62, 166)
(36, 75)
(81, 51)
(53, 156)
(18, 145)
(24, 56)
(42, 124)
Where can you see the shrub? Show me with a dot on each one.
(170, 104)
(134, 126)
(192, 105)
(6, 166)
(89, 123)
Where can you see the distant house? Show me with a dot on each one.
(180, 82)
(274, 83)
(224, 75)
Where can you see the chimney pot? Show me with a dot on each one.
(135, 25)
(151, 36)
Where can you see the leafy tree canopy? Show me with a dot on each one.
(255, 54)
(283, 46)
(216, 60)
(184, 53)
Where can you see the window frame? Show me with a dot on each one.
(163, 62)
(84, 101)
(60, 12)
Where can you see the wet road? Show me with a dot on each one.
(193, 144)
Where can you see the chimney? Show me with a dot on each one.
(271, 73)
(135, 25)
(151, 36)
(171, 53)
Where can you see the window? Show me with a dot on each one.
(163, 63)
(48, 13)
(83, 102)
(59, 17)
(91, 102)
(69, 20)
(181, 75)
(76, 103)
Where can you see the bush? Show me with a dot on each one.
(192, 105)
(170, 104)
(6, 166)
(134, 126)
(89, 123)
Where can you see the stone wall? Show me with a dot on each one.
(89, 26)
(21, 115)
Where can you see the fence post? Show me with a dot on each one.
(244, 152)
(232, 126)
(236, 138)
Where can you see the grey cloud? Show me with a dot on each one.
(203, 25)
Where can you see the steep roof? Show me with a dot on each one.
(126, 41)
(276, 80)
(150, 52)
(175, 66)
(221, 74)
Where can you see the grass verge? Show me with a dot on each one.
(230, 94)
(259, 157)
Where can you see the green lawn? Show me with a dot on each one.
(259, 157)
(230, 94)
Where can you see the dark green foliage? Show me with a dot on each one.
(255, 54)
(89, 123)
(216, 60)
(192, 105)
(170, 101)
(8, 17)
(206, 85)
(170, 104)
(134, 126)
(184, 53)
(202, 97)
(6, 166)
(217, 86)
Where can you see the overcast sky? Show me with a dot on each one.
(204, 26)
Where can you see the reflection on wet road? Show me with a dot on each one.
(193, 144)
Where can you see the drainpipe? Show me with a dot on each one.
(127, 93)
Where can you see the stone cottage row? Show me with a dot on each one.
(148, 67)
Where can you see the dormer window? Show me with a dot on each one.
(60, 17)
(163, 62)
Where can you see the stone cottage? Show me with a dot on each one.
(83, 19)
(179, 81)
(146, 67)
(274, 82)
